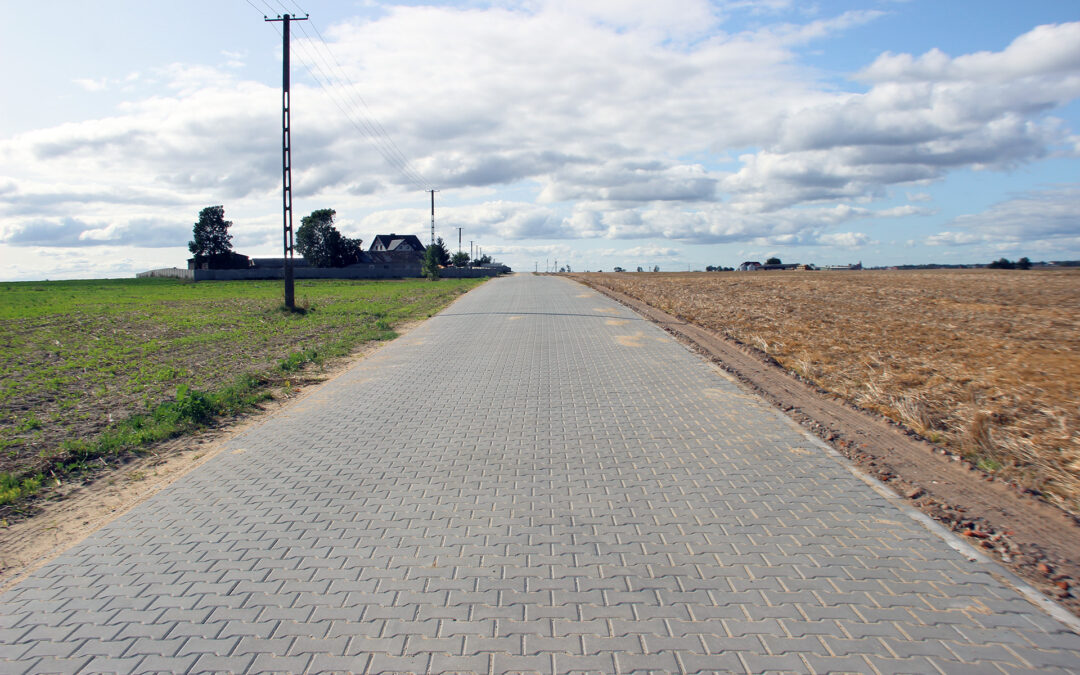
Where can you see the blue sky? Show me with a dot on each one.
(614, 132)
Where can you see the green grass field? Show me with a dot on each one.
(94, 369)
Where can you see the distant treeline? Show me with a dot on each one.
(1003, 263)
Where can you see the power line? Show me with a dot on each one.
(367, 125)
(343, 95)
(374, 120)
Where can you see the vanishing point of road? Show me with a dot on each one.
(534, 480)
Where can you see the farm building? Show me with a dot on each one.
(749, 266)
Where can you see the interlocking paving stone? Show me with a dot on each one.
(534, 480)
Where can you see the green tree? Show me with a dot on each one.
(460, 259)
(442, 252)
(1001, 264)
(1023, 263)
(430, 266)
(773, 261)
(211, 233)
(322, 245)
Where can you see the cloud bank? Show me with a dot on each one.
(645, 122)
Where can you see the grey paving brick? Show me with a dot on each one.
(117, 665)
(53, 664)
(167, 664)
(210, 663)
(597, 498)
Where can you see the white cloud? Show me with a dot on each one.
(1043, 51)
(847, 239)
(618, 133)
(90, 84)
(1039, 215)
(948, 238)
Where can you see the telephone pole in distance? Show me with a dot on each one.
(433, 215)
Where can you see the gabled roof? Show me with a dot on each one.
(396, 242)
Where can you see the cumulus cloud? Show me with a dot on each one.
(846, 239)
(72, 232)
(1042, 217)
(623, 132)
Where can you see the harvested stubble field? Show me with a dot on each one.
(93, 369)
(983, 362)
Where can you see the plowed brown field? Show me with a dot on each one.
(983, 362)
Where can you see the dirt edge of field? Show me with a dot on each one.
(75, 510)
(1038, 541)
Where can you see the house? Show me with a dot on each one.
(397, 242)
(750, 266)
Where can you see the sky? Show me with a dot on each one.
(601, 133)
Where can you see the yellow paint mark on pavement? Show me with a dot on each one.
(616, 322)
(515, 318)
(630, 340)
(605, 310)
(802, 451)
(239, 451)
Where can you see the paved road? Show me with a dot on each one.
(534, 480)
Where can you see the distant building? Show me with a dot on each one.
(834, 268)
(397, 242)
(222, 261)
(750, 266)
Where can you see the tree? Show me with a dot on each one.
(482, 260)
(442, 252)
(460, 259)
(773, 261)
(211, 233)
(1002, 264)
(1023, 263)
(322, 245)
(430, 266)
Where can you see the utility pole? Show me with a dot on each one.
(286, 160)
(459, 239)
(432, 216)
